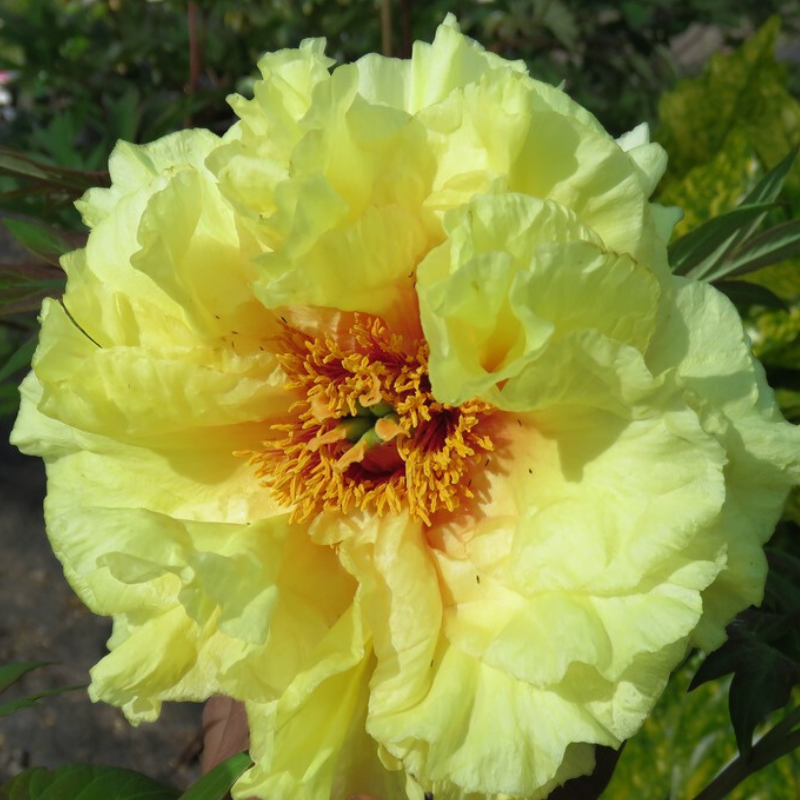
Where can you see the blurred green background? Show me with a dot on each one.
(717, 80)
(88, 72)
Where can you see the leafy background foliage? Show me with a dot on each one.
(89, 73)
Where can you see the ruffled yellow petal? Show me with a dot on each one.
(139, 394)
(402, 607)
(650, 158)
(155, 575)
(703, 342)
(514, 276)
(480, 732)
(451, 62)
(192, 278)
(228, 595)
(135, 167)
(299, 739)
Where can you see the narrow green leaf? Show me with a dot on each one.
(11, 673)
(42, 240)
(770, 247)
(743, 294)
(32, 700)
(769, 187)
(24, 304)
(699, 252)
(84, 782)
(217, 783)
(45, 284)
(20, 359)
(25, 271)
(12, 164)
(9, 401)
(765, 191)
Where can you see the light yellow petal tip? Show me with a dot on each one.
(133, 166)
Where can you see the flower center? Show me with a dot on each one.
(366, 432)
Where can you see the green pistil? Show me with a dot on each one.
(381, 409)
(362, 426)
(355, 427)
(377, 410)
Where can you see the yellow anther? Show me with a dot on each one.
(368, 433)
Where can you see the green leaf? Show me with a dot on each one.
(744, 295)
(684, 743)
(217, 783)
(33, 700)
(776, 244)
(721, 130)
(763, 673)
(769, 187)
(11, 673)
(759, 690)
(85, 782)
(9, 401)
(20, 359)
(697, 253)
(776, 339)
(714, 187)
(765, 191)
(13, 163)
(42, 240)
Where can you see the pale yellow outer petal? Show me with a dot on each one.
(650, 158)
(499, 708)
(704, 343)
(302, 741)
(134, 167)
(514, 280)
(130, 393)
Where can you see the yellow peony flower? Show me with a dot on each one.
(384, 414)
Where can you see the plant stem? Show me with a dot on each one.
(386, 27)
(789, 721)
(769, 749)
(405, 15)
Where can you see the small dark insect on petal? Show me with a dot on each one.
(477, 579)
(428, 795)
(530, 470)
(283, 319)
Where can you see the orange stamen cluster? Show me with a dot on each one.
(420, 455)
